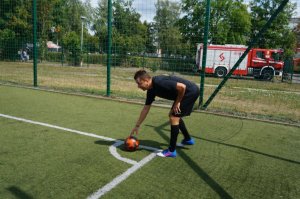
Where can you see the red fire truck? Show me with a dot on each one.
(259, 63)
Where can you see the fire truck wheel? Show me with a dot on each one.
(220, 72)
(267, 74)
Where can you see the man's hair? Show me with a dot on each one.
(142, 74)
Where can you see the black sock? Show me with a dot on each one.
(184, 130)
(174, 135)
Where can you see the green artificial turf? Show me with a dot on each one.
(232, 158)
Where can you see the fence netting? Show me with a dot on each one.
(164, 37)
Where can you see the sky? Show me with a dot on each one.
(147, 10)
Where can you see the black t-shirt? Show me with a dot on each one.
(165, 87)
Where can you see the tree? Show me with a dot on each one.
(150, 38)
(89, 12)
(45, 9)
(58, 22)
(191, 25)
(15, 27)
(91, 44)
(297, 33)
(71, 43)
(125, 17)
(239, 23)
(229, 21)
(279, 35)
(99, 25)
(73, 10)
(56, 18)
(129, 34)
(168, 37)
(8, 44)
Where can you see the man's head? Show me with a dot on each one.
(143, 80)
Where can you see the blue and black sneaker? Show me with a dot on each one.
(186, 142)
(167, 153)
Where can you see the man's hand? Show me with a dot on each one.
(180, 87)
(142, 117)
(176, 108)
(135, 130)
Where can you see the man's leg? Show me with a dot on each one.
(183, 130)
(174, 121)
(171, 152)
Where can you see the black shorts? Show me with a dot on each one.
(187, 104)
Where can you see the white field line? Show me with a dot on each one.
(258, 89)
(121, 177)
(57, 127)
(269, 91)
(114, 152)
(112, 149)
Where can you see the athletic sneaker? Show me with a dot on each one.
(167, 153)
(186, 142)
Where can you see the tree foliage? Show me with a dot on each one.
(15, 27)
(99, 25)
(167, 34)
(296, 31)
(279, 35)
(129, 35)
(71, 41)
(229, 21)
(175, 30)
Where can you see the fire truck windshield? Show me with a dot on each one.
(276, 56)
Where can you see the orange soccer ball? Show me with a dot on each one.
(131, 143)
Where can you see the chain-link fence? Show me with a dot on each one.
(175, 37)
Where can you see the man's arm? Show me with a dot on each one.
(180, 87)
(142, 117)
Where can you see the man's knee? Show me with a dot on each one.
(174, 120)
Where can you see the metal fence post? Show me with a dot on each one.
(206, 30)
(109, 41)
(34, 10)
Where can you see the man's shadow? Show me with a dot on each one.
(151, 143)
(197, 169)
(19, 193)
(247, 149)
